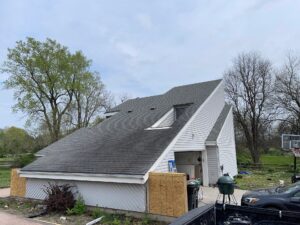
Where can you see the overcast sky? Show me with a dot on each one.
(146, 47)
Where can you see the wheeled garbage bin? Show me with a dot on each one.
(192, 191)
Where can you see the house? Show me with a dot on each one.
(110, 163)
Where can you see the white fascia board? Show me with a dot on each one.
(190, 150)
(157, 128)
(156, 124)
(210, 143)
(130, 179)
(173, 142)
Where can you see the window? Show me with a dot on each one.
(180, 109)
(297, 194)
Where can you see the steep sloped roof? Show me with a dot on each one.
(120, 144)
(215, 131)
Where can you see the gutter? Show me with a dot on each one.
(111, 178)
(211, 143)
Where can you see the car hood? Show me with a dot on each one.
(260, 192)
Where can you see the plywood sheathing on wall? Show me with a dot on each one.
(168, 194)
(17, 184)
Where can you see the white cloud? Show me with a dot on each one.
(145, 47)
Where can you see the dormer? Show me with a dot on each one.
(170, 117)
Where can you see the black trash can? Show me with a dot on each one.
(192, 191)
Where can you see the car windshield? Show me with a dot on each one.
(289, 188)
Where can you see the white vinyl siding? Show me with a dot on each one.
(226, 146)
(131, 197)
(163, 165)
(193, 138)
(200, 126)
(214, 171)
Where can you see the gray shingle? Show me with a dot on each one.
(214, 133)
(120, 144)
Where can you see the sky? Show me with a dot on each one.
(144, 47)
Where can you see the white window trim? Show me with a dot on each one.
(157, 123)
(118, 178)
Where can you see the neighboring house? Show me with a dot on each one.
(110, 163)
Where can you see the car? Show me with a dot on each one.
(280, 198)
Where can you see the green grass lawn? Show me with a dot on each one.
(275, 166)
(4, 177)
(262, 179)
(6, 159)
(277, 159)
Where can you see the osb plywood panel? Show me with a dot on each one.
(17, 184)
(168, 194)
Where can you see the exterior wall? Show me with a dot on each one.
(214, 171)
(193, 138)
(131, 197)
(163, 165)
(226, 145)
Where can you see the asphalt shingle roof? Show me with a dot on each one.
(215, 131)
(120, 144)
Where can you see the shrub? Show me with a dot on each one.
(79, 207)
(59, 197)
(23, 160)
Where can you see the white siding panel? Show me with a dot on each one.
(163, 165)
(214, 171)
(196, 133)
(130, 197)
(226, 145)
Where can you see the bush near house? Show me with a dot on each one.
(59, 198)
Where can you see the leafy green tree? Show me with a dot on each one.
(2, 150)
(17, 141)
(51, 84)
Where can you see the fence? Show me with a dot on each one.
(256, 166)
(6, 164)
(168, 194)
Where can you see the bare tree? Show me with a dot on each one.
(248, 86)
(124, 97)
(287, 86)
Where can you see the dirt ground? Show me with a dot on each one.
(10, 219)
